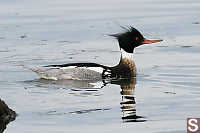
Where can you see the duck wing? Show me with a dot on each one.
(79, 65)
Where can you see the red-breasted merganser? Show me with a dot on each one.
(126, 68)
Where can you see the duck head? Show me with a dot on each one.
(131, 39)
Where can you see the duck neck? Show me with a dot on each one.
(126, 67)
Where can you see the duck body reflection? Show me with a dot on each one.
(128, 103)
(83, 88)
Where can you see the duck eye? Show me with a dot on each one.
(137, 38)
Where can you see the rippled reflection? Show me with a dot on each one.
(128, 103)
(6, 115)
(85, 88)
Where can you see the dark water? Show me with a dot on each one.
(165, 92)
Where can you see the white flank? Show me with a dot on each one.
(96, 69)
(69, 67)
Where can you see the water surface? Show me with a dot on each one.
(165, 92)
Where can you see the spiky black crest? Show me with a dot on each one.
(129, 39)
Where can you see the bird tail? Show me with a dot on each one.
(34, 69)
